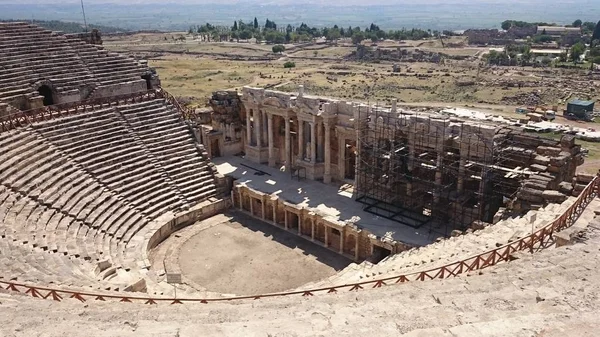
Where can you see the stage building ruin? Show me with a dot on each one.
(413, 168)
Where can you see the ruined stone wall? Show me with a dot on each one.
(458, 169)
(365, 53)
(344, 238)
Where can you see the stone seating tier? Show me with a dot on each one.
(30, 54)
(78, 193)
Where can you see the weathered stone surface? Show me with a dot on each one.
(554, 196)
(531, 195)
(584, 178)
(548, 151)
(539, 168)
(541, 160)
(565, 187)
(567, 141)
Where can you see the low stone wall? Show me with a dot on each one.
(120, 89)
(345, 238)
(163, 230)
(200, 212)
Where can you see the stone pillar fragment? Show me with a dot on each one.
(288, 150)
(313, 142)
(270, 137)
(301, 140)
(327, 174)
(257, 127)
(248, 128)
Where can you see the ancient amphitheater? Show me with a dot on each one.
(121, 211)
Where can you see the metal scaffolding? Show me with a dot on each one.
(428, 171)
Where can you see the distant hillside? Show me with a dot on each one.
(71, 27)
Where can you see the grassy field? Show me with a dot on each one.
(193, 70)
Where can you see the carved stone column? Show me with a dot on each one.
(248, 128)
(288, 155)
(327, 174)
(300, 139)
(313, 142)
(270, 137)
(257, 127)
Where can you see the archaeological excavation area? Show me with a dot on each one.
(112, 191)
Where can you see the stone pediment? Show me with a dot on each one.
(305, 106)
(274, 102)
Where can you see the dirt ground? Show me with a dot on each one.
(246, 256)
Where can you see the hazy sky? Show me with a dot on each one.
(287, 2)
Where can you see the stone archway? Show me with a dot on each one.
(48, 94)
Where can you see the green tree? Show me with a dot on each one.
(245, 34)
(255, 23)
(235, 26)
(373, 36)
(506, 25)
(576, 51)
(588, 27)
(289, 64)
(358, 37)
(596, 34)
(542, 38)
(577, 23)
(273, 36)
(278, 49)
(333, 34)
(235, 35)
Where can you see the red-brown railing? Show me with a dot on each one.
(188, 114)
(24, 118)
(540, 239)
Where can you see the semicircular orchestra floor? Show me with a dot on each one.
(234, 253)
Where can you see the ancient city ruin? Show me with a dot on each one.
(416, 169)
(106, 178)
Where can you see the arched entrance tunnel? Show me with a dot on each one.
(46, 92)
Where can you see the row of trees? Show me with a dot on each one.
(272, 33)
(521, 55)
(586, 27)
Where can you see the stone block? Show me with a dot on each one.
(554, 196)
(558, 161)
(478, 224)
(139, 286)
(565, 187)
(554, 169)
(538, 167)
(584, 178)
(541, 160)
(536, 184)
(174, 278)
(531, 195)
(548, 151)
(562, 239)
(567, 141)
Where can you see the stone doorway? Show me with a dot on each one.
(148, 79)
(46, 92)
(293, 221)
(350, 159)
(379, 253)
(215, 149)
